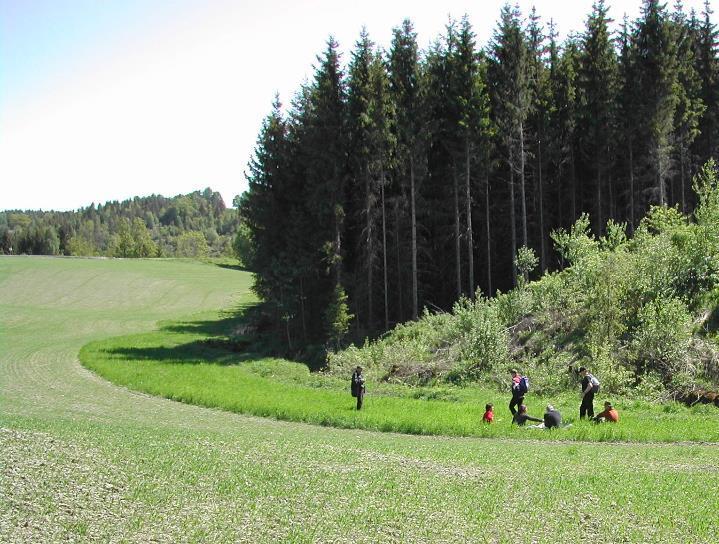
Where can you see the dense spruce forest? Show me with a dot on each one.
(406, 179)
(194, 225)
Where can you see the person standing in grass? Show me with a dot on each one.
(609, 415)
(519, 388)
(590, 386)
(357, 386)
(488, 416)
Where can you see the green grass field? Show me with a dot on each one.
(178, 363)
(82, 460)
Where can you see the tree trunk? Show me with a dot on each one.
(682, 178)
(660, 177)
(370, 250)
(489, 240)
(512, 220)
(302, 309)
(612, 203)
(542, 242)
(414, 237)
(522, 188)
(631, 189)
(470, 241)
(598, 194)
(384, 256)
(457, 250)
(400, 312)
(337, 257)
(573, 172)
(287, 322)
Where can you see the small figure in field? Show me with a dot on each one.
(488, 416)
(590, 386)
(521, 417)
(552, 418)
(357, 386)
(520, 386)
(609, 415)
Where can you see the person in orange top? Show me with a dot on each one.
(488, 416)
(609, 414)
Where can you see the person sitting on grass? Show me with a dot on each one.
(552, 418)
(488, 416)
(521, 417)
(609, 415)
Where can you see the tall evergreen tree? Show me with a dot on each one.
(510, 94)
(259, 207)
(689, 109)
(323, 167)
(383, 145)
(707, 67)
(657, 81)
(597, 85)
(362, 188)
(404, 74)
(469, 90)
(562, 128)
(371, 147)
(628, 112)
(537, 124)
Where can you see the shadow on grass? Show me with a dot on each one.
(232, 323)
(239, 267)
(196, 352)
(228, 340)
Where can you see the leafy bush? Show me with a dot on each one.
(481, 340)
(661, 340)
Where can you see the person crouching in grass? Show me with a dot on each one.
(488, 416)
(609, 415)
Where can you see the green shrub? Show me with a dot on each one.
(482, 340)
(661, 339)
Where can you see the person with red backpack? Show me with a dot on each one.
(520, 386)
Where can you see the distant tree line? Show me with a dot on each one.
(193, 225)
(408, 179)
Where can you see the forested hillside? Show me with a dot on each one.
(194, 225)
(642, 312)
(404, 179)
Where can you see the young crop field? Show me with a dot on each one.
(85, 460)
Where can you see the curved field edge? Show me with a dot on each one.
(182, 361)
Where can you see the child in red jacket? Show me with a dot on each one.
(488, 416)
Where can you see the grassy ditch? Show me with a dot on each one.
(190, 361)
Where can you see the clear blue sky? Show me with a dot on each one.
(108, 99)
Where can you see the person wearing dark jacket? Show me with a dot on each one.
(552, 418)
(590, 386)
(521, 417)
(517, 394)
(358, 386)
